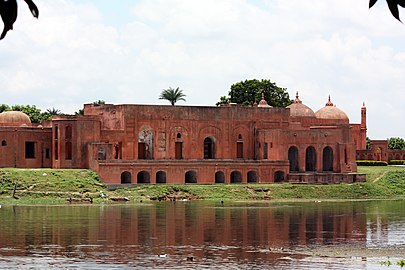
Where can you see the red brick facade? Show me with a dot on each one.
(130, 144)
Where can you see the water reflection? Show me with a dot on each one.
(182, 233)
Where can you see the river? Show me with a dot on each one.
(204, 235)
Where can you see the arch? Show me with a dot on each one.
(219, 177)
(310, 159)
(190, 177)
(126, 178)
(240, 137)
(68, 132)
(293, 158)
(161, 177)
(252, 177)
(179, 135)
(209, 148)
(370, 157)
(328, 159)
(143, 177)
(236, 177)
(362, 157)
(397, 156)
(279, 177)
(3, 143)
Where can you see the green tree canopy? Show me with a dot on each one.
(172, 95)
(248, 91)
(32, 111)
(396, 143)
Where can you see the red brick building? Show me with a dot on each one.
(130, 144)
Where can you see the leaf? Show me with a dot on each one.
(401, 3)
(393, 6)
(372, 2)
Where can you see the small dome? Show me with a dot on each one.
(263, 103)
(297, 109)
(331, 112)
(15, 118)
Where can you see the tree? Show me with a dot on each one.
(249, 91)
(4, 107)
(392, 5)
(222, 101)
(172, 95)
(396, 143)
(368, 143)
(99, 102)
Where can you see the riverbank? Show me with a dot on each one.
(47, 186)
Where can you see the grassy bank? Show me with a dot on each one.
(55, 186)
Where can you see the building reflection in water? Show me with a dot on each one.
(201, 229)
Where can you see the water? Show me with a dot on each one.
(204, 235)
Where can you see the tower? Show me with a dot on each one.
(363, 127)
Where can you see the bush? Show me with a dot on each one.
(371, 163)
(396, 162)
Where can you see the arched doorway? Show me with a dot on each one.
(328, 159)
(145, 143)
(126, 178)
(279, 177)
(293, 158)
(236, 177)
(191, 177)
(209, 148)
(219, 177)
(310, 159)
(143, 177)
(252, 177)
(161, 177)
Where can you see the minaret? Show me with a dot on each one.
(363, 127)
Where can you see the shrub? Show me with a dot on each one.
(371, 163)
(396, 162)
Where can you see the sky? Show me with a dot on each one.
(128, 51)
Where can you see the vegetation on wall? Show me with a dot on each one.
(250, 91)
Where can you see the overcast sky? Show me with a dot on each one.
(127, 51)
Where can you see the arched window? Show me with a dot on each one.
(252, 177)
(178, 136)
(161, 177)
(310, 159)
(236, 177)
(209, 148)
(279, 177)
(126, 178)
(143, 177)
(191, 177)
(68, 132)
(3, 143)
(293, 158)
(328, 159)
(219, 177)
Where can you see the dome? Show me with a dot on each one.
(15, 118)
(263, 103)
(297, 109)
(331, 112)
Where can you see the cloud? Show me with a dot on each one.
(73, 55)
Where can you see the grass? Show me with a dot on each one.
(48, 186)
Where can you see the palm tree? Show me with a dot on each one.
(172, 95)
